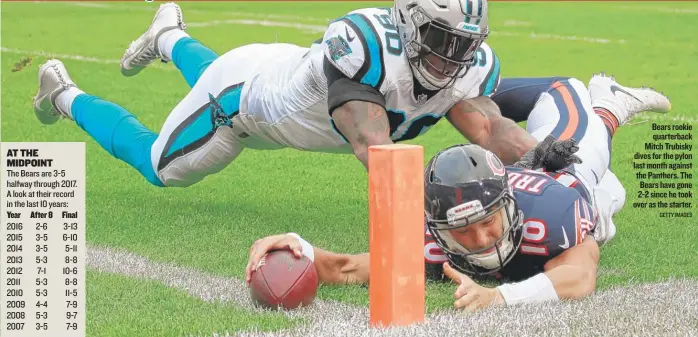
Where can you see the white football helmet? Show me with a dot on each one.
(441, 37)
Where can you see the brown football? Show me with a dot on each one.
(282, 280)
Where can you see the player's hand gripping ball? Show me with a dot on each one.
(284, 281)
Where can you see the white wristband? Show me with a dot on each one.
(538, 288)
(306, 248)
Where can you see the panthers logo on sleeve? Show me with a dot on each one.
(337, 47)
(357, 47)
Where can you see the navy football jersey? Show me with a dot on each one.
(557, 216)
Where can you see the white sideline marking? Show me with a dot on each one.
(74, 57)
(663, 117)
(679, 10)
(660, 9)
(540, 36)
(84, 4)
(664, 306)
(516, 23)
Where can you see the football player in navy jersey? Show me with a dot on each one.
(537, 231)
(483, 218)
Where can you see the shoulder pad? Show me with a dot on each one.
(353, 46)
(483, 76)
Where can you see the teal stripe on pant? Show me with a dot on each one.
(117, 131)
(192, 58)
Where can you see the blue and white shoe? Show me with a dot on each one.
(53, 80)
(144, 50)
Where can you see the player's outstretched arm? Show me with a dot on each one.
(481, 122)
(358, 112)
(573, 273)
(363, 124)
(570, 275)
(355, 79)
(332, 268)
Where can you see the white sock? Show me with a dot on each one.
(64, 101)
(167, 41)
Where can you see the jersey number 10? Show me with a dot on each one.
(534, 233)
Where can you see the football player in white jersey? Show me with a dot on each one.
(378, 76)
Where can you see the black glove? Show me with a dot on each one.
(551, 155)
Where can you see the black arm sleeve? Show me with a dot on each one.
(341, 89)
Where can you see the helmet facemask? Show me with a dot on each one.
(439, 53)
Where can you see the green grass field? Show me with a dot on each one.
(209, 226)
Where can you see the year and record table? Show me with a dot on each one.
(42, 241)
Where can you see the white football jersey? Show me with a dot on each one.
(285, 98)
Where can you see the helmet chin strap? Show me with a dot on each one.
(427, 80)
(491, 260)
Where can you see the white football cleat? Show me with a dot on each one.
(625, 102)
(53, 80)
(144, 50)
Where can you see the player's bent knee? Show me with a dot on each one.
(210, 158)
(580, 91)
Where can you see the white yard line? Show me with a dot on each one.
(661, 9)
(516, 23)
(84, 4)
(649, 116)
(73, 57)
(543, 36)
(58, 56)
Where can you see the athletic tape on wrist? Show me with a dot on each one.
(306, 248)
(538, 288)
